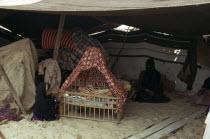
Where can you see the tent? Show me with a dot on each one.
(97, 7)
(180, 18)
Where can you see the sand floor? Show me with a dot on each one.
(137, 116)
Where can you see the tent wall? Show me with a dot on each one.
(4, 42)
(130, 67)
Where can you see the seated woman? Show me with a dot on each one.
(150, 87)
(46, 105)
(203, 96)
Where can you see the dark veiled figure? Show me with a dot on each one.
(150, 87)
(46, 105)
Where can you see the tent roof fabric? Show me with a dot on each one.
(140, 36)
(181, 18)
(84, 7)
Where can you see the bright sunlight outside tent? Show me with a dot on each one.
(17, 2)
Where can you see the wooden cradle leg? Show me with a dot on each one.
(119, 116)
(61, 109)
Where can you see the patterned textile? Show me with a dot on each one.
(92, 75)
(49, 38)
(7, 113)
(82, 40)
(64, 59)
(68, 59)
(94, 58)
(52, 74)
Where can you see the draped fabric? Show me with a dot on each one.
(52, 74)
(94, 58)
(189, 69)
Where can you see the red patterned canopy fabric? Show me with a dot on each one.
(93, 58)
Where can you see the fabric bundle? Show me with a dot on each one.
(52, 74)
(7, 113)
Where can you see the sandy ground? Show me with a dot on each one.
(137, 116)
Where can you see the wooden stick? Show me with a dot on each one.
(4, 121)
(18, 109)
(82, 105)
(112, 111)
(2, 135)
(58, 36)
(68, 106)
(80, 109)
(108, 109)
(104, 115)
(64, 106)
(94, 111)
(72, 108)
(85, 107)
(12, 90)
(87, 95)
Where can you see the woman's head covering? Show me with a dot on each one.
(150, 64)
(206, 83)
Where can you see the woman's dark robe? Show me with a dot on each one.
(151, 80)
(44, 105)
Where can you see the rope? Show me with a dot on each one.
(112, 67)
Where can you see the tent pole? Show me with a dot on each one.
(58, 36)
(12, 89)
(2, 135)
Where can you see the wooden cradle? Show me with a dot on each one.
(86, 106)
(92, 70)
